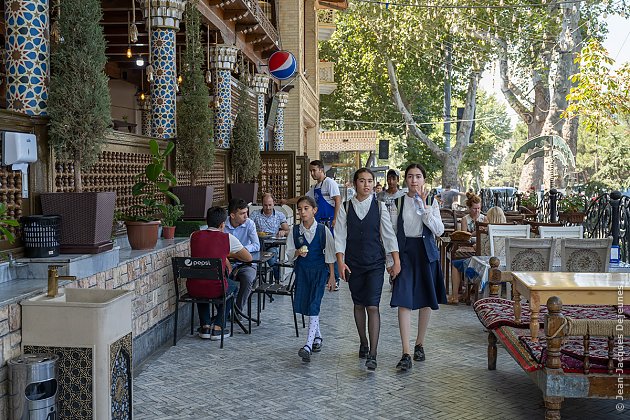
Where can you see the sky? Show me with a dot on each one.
(617, 43)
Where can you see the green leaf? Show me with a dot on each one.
(137, 188)
(163, 186)
(169, 148)
(172, 196)
(154, 147)
(153, 171)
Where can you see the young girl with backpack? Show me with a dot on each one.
(312, 247)
(364, 235)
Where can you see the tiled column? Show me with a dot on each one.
(278, 135)
(27, 55)
(145, 114)
(165, 18)
(261, 85)
(222, 61)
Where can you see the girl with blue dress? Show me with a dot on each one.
(420, 284)
(312, 247)
(364, 236)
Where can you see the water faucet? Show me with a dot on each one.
(53, 280)
(13, 262)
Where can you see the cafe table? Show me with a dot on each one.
(571, 288)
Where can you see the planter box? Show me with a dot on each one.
(575, 218)
(86, 220)
(246, 191)
(196, 200)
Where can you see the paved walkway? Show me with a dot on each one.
(260, 376)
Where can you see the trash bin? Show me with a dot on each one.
(41, 235)
(33, 387)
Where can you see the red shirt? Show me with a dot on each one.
(208, 244)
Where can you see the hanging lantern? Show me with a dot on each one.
(208, 76)
(150, 75)
(133, 33)
(129, 52)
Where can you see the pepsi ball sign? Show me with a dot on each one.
(282, 65)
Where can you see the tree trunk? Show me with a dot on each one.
(78, 184)
(449, 170)
(532, 174)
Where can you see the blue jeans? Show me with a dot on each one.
(222, 313)
(273, 262)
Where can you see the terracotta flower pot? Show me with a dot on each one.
(575, 217)
(168, 232)
(142, 235)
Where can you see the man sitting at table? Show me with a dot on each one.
(214, 243)
(272, 222)
(244, 229)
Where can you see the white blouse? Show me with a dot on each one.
(361, 209)
(309, 234)
(413, 222)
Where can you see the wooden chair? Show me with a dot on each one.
(534, 225)
(208, 270)
(585, 255)
(575, 232)
(515, 219)
(529, 254)
(497, 233)
(448, 219)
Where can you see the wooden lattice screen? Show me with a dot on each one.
(302, 175)
(277, 174)
(217, 177)
(124, 156)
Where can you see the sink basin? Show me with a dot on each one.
(90, 331)
(80, 298)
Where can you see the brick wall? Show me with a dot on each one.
(149, 276)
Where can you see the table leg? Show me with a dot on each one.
(534, 324)
(517, 306)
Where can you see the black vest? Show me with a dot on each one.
(430, 247)
(366, 252)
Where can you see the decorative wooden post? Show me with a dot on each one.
(27, 55)
(222, 61)
(145, 114)
(278, 135)
(554, 324)
(165, 16)
(553, 205)
(261, 86)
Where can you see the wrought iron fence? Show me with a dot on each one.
(507, 200)
(609, 215)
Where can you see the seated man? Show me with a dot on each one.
(214, 243)
(273, 222)
(244, 229)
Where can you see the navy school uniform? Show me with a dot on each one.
(420, 283)
(366, 256)
(311, 272)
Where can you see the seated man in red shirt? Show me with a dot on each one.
(214, 243)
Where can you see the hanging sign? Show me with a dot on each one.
(282, 65)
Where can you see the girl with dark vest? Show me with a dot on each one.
(420, 284)
(363, 236)
(312, 246)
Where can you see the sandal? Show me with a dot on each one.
(317, 345)
(305, 353)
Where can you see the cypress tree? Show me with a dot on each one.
(246, 162)
(195, 147)
(79, 103)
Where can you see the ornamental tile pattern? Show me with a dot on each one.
(27, 55)
(121, 378)
(223, 112)
(278, 137)
(260, 102)
(164, 88)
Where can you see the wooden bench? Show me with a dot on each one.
(579, 354)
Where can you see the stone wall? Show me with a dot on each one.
(150, 276)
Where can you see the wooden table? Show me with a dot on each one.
(571, 288)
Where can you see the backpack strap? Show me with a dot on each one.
(321, 234)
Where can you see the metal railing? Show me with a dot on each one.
(609, 215)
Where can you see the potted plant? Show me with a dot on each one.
(246, 162)
(79, 110)
(172, 213)
(6, 224)
(571, 208)
(529, 200)
(143, 220)
(195, 147)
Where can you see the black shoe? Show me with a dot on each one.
(418, 353)
(305, 353)
(405, 363)
(363, 351)
(317, 344)
(370, 363)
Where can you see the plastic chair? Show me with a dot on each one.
(205, 269)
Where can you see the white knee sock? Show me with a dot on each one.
(313, 329)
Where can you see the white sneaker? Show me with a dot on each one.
(216, 334)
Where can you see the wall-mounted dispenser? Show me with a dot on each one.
(18, 150)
